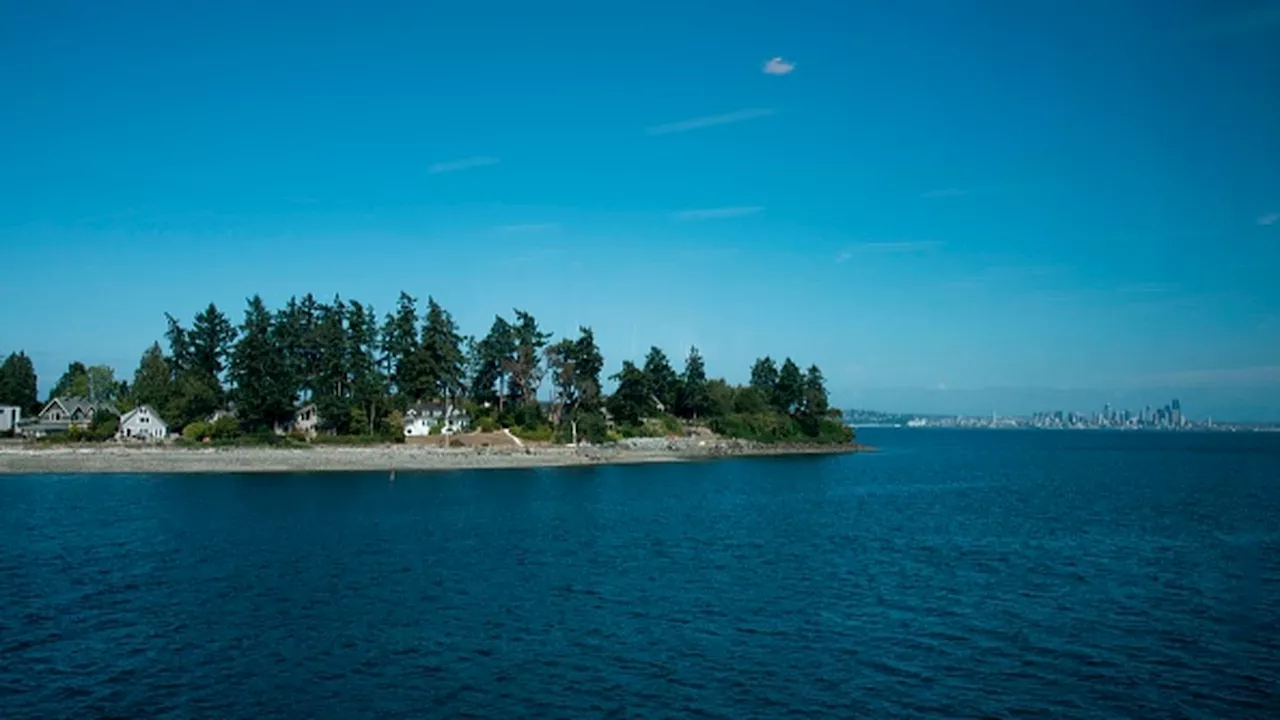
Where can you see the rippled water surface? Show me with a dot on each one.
(955, 574)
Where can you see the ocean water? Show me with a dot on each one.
(954, 574)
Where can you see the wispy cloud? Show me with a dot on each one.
(778, 66)
(462, 164)
(886, 248)
(1269, 219)
(718, 213)
(709, 121)
(528, 227)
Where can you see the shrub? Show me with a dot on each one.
(224, 428)
(197, 431)
(487, 424)
(533, 434)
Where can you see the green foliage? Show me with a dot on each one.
(788, 393)
(543, 433)
(73, 383)
(488, 423)
(632, 401)
(153, 381)
(224, 428)
(661, 380)
(590, 424)
(265, 389)
(692, 400)
(490, 361)
(764, 376)
(752, 400)
(197, 431)
(526, 414)
(18, 383)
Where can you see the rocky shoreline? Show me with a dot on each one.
(328, 458)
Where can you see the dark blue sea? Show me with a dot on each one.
(955, 574)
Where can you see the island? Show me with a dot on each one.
(325, 386)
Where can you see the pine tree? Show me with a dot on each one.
(588, 363)
(18, 383)
(263, 389)
(661, 379)
(693, 401)
(210, 342)
(632, 401)
(153, 382)
(524, 366)
(442, 357)
(331, 386)
(400, 348)
(788, 393)
(368, 385)
(492, 353)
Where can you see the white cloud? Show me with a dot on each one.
(1269, 219)
(718, 213)
(709, 121)
(778, 66)
(462, 164)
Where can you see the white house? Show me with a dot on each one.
(424, 418)
(142, 423)
(10, 416)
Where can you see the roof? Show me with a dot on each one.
(424, 408)
(86, 406)
(150, 410)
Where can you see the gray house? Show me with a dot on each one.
(63, 413)
(142, 423)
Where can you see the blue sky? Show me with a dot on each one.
(947, 206)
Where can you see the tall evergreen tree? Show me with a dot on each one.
(693, 401)
(814, 405)
(331, 381)
(788, 393)
(588, 363)
(210, 342)
(152, 381)
(264, 392)
(661, 379)
(442, 357)
(489, 383)
(764, 376)
(632, 401)
(400, 348)
(18, 383)
(368, 384)
(524, 366)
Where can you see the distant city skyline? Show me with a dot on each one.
(948, 207)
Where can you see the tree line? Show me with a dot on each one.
(362, 374)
